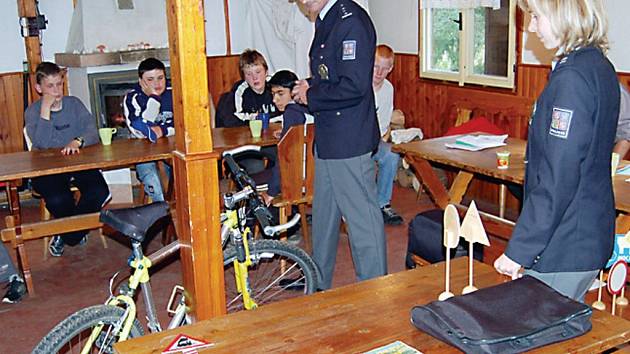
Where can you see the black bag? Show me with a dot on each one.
(426, 234)
(512, 317)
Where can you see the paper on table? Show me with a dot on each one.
(400, 136)
(477, 142)
(624, 171)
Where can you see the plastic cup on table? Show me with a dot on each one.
(503, 159)
(255, 127)
(264, 118)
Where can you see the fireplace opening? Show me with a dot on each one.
(107, 94)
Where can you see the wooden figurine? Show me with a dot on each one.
(617, 280)
(472, 230)
(451, 239)
(599, 304)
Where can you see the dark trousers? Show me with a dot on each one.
(55, 190)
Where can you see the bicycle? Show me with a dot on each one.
(263, 271)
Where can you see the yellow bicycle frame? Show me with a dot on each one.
(140, 275)
(241, 274)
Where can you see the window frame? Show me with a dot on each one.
(465, 75)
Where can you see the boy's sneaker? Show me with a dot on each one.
(84, 240)
(390, 217)
(55, 247)
(16, 290)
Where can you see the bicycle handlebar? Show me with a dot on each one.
(272, 230)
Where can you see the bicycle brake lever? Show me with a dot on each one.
(272, 230)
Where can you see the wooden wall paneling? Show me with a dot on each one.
(28, 8)
(11, 112)
(223, 72)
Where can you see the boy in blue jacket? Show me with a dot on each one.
(149, 114)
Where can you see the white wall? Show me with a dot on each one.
(618, 28)
(215, 28)
(396, 24)
(10, 38)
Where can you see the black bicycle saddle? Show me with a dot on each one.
(134, 222)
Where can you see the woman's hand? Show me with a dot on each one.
(506, 266)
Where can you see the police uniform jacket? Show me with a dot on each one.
(340, 96)
(568, 216)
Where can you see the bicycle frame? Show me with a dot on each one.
(231, 225)
(140, 277)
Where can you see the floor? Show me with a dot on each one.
(81, 276)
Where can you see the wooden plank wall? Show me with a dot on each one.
(432, 105)
(11, 112)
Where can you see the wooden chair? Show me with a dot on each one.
(297, 172)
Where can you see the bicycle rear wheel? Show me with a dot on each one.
(279, 271)
(70, 335)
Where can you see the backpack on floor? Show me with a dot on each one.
(426, 240)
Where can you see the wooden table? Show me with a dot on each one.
(358, 318)
(483, 162)
(124, 152)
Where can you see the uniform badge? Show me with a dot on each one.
(349, 50)
(560, 122)
(322, 69)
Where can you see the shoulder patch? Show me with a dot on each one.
(349, 50)
(560, 122)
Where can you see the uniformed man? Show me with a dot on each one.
(565, 232)
(340, 96)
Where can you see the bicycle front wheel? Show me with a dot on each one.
(71, 334)
(279, 271)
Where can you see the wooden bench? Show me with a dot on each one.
(18, 235)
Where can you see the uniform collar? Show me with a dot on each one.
(326, 8)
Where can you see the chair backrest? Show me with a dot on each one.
(296, 161)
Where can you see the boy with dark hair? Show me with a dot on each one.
(281, 84)
(249, 96)
(57, 121)
(149, 114)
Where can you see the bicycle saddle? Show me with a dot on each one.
(134, 222)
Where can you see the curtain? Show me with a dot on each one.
(459, 4)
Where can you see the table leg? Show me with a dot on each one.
(13, 200)
(431, 183)
(502, 190)
(459, 187)
(20, 248)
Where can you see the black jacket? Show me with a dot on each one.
(568, 217)
(340, 96)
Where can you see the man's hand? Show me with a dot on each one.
(506, 266)
(266, 198)
(147, 89)
(277, 133)
(71, 148)
(47, 103)
(299, 92)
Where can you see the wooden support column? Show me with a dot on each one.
(27, 8)
(196, 174)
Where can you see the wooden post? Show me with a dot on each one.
(196, 174)
(28, 8)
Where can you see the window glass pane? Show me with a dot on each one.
(444, 40)
(491, 39)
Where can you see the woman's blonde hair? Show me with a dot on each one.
(577, 23)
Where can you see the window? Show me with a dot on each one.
(474, 46)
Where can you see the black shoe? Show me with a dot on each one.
(390, 217)
(55, 247)
(16, 290)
